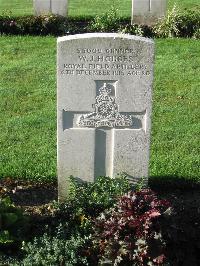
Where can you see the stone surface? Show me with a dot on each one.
(41, 7)
(58, 7)
(104, 87)
(148, 11)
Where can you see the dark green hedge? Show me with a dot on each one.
(176, 24)
(42, 25)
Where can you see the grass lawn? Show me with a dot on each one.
(86, 7)
(28, 108)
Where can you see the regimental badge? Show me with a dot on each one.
(106, 112)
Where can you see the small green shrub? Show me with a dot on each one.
(107, 22)
(169, 26)
(88, 200)
(130, 233)
(56, 250)
(12, 223)
(93, 198)
(178, 23)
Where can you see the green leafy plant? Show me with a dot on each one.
(87, 200)
(12, 223)
(108, 22)
(59, 248)
(169, 26)
(5, 237)
(93, 198)
(178, 23)
(48, 250)
(132, 29)
(130, 233)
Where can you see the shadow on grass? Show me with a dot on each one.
(181, 230)
(173, 183)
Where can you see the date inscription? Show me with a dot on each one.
(105, 62)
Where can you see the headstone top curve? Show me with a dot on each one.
(104, 35)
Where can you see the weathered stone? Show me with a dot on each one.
(104, 106)
(41, 7)
(58, 7)
(148, 11)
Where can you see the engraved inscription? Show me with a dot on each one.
(106, 112)
(105, 62)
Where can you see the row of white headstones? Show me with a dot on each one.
(142, 10)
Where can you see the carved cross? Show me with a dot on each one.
(105, 120)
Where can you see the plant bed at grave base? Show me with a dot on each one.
(180, 228)
(177, 23)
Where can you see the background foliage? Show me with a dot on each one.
(86, 8)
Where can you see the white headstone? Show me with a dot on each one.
(148, 11)
(41, 7)
(57, 7)
(104, 87)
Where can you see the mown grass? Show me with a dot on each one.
(28, 108)
(86, 7)
(176, 119)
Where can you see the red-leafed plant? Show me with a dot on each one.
(130, 233)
